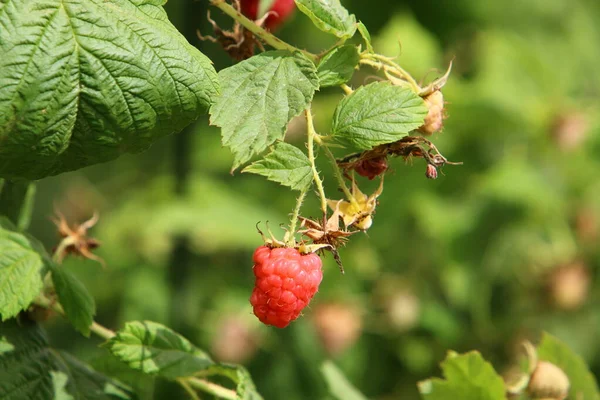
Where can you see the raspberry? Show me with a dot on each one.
(281, 9)
(286, 281)
(435, 116)
(372, 168)
(431, 172)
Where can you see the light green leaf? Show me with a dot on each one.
(378, 113)
(155, 349)
(329, 16)
(85, 81)
(287, 165)
(77, 302)
(468, 377)
(32, 370)
(337, 66)
(245, 388)
(259, 97)
(583, 383)
(339, 387)
(362, 29)
(22, 272)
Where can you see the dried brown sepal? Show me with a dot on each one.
(329, 235)
(239, 42)
(407, 147)
(75, 239)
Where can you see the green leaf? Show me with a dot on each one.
(337, 66)
(287, 165)
(362, 29)
(77, 302)
(583, 383)
(329, 16)
(86, 81)
(245, 388)
(468, 377)
(22, 272)
(155, 349)
(259, 97)
(32, 370)
(378, 113)
(339, 387)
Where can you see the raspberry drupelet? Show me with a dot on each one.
(286, 281)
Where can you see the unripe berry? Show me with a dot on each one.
(286, 281)
(338, 326)
(435, 116)
(548, 382)
(431, 172)
(372, 168)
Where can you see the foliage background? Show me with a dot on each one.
(464, 262)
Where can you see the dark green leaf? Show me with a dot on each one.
(259, 97)
(86, 81)
(79, 305)
(155, 349)
(468, 377)
(337, 66)
(339, 387)
(22, 272)
(329, 16)
(362, 29)
(287, 165)
(31, 370)
(377, 113)
(583, 383)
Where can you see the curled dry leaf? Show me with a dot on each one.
(75, 239)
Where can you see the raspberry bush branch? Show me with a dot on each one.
(290, 240)
(311, 136)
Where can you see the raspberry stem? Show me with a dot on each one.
(290, 235)
(258, 31)
(389, 67)
(347, 89)
(312, 134)
(212, 388)
(339, 177)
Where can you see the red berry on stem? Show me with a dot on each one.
(286, 281)
(372, 168)
(431, 172)
(281, 10)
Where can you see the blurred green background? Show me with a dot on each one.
(491, 253)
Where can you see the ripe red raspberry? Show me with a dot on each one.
(286, 280)
(283, 8)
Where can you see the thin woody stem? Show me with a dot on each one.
(212, 388)
(258, 31)
(294, 220)
(311, 133)
(339, 177)
(381, 62)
